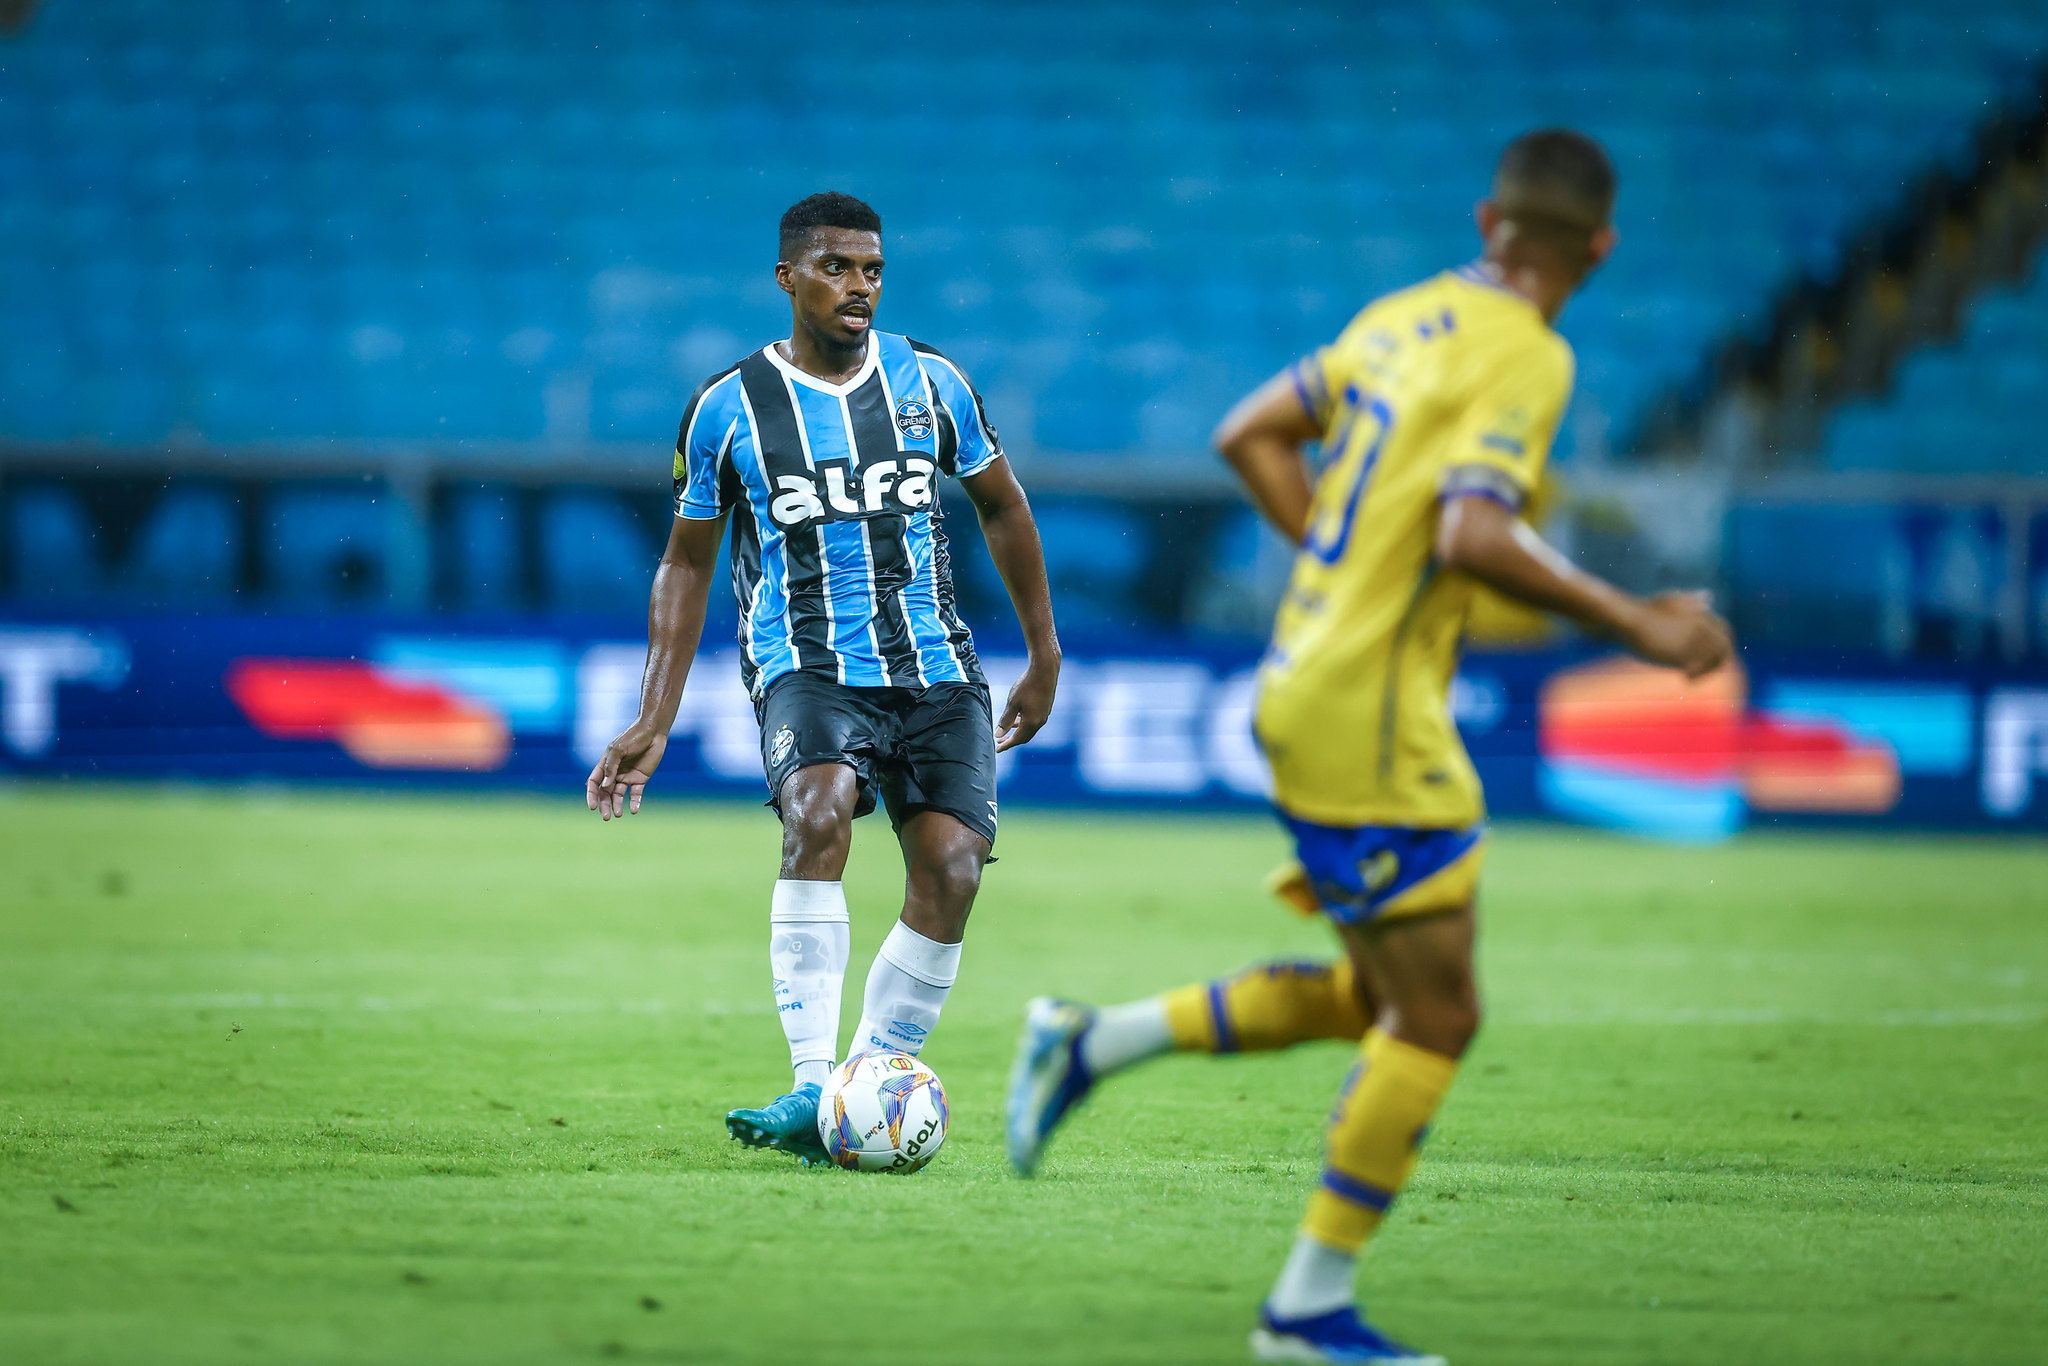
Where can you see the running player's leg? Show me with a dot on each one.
(1068, 1047)
(1420, 970)
(939, 784)
(1263, 1007)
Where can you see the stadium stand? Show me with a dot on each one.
(511, 222)
(1968, 407)
(525, 231)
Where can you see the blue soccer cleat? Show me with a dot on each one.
(1048, 1079)
(1338, 1336)
(788, 1124)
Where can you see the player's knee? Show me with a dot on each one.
(947, 875)
(956, 876)
(1460, 1025)
(1441, 1016)
(1454, 1009)
(817, 811)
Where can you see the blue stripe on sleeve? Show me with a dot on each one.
(978, 447)
(1308, 403)
(700, 443)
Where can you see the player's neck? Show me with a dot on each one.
(1536, 281)
(833, 364)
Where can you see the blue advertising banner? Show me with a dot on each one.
(1579, 733)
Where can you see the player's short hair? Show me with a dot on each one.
(829, 209)
(1556, 184)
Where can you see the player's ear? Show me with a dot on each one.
(1486, 214)
(785, 276)
(1601, 247)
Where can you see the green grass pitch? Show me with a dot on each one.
(295, 1078)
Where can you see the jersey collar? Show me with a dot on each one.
(868, 363)
(1480, 273)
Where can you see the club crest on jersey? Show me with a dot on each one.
(1380, 870)
(835, 492)
(913, 419)
(783, 740)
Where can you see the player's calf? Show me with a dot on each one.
(1269, 1006)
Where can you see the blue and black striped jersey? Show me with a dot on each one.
(838, 556)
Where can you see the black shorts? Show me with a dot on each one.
(928, 749)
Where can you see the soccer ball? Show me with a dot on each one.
(882, 1111)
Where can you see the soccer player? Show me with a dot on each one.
(1435, 407)
(822, 450)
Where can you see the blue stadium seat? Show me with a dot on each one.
(484, 571)
(1862, 435)
(189, 550)
(52, 547)
(595, 555)
(326, 546)
(1094, 551)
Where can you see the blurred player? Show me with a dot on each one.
(1436, 408)
(823, 451)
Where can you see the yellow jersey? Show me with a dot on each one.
(1454, 386)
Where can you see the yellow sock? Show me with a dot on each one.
(1381, 1116)
(1273, 1005)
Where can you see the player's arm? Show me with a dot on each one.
(675, 623)
(1483, 537)
(1263, 439)
(1012, 536)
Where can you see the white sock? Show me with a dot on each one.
(1126, 1034)
(906, 991)
(809, 941)
(1315, 1280)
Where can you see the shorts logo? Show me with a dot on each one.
(780, 750)
(913, 419)
(1380, 870)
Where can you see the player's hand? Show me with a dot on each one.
(615, 786)
(1030, 702)
(1682, 631)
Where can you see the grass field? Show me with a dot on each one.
(293, 1078)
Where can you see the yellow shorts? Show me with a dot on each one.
(1365, 873)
